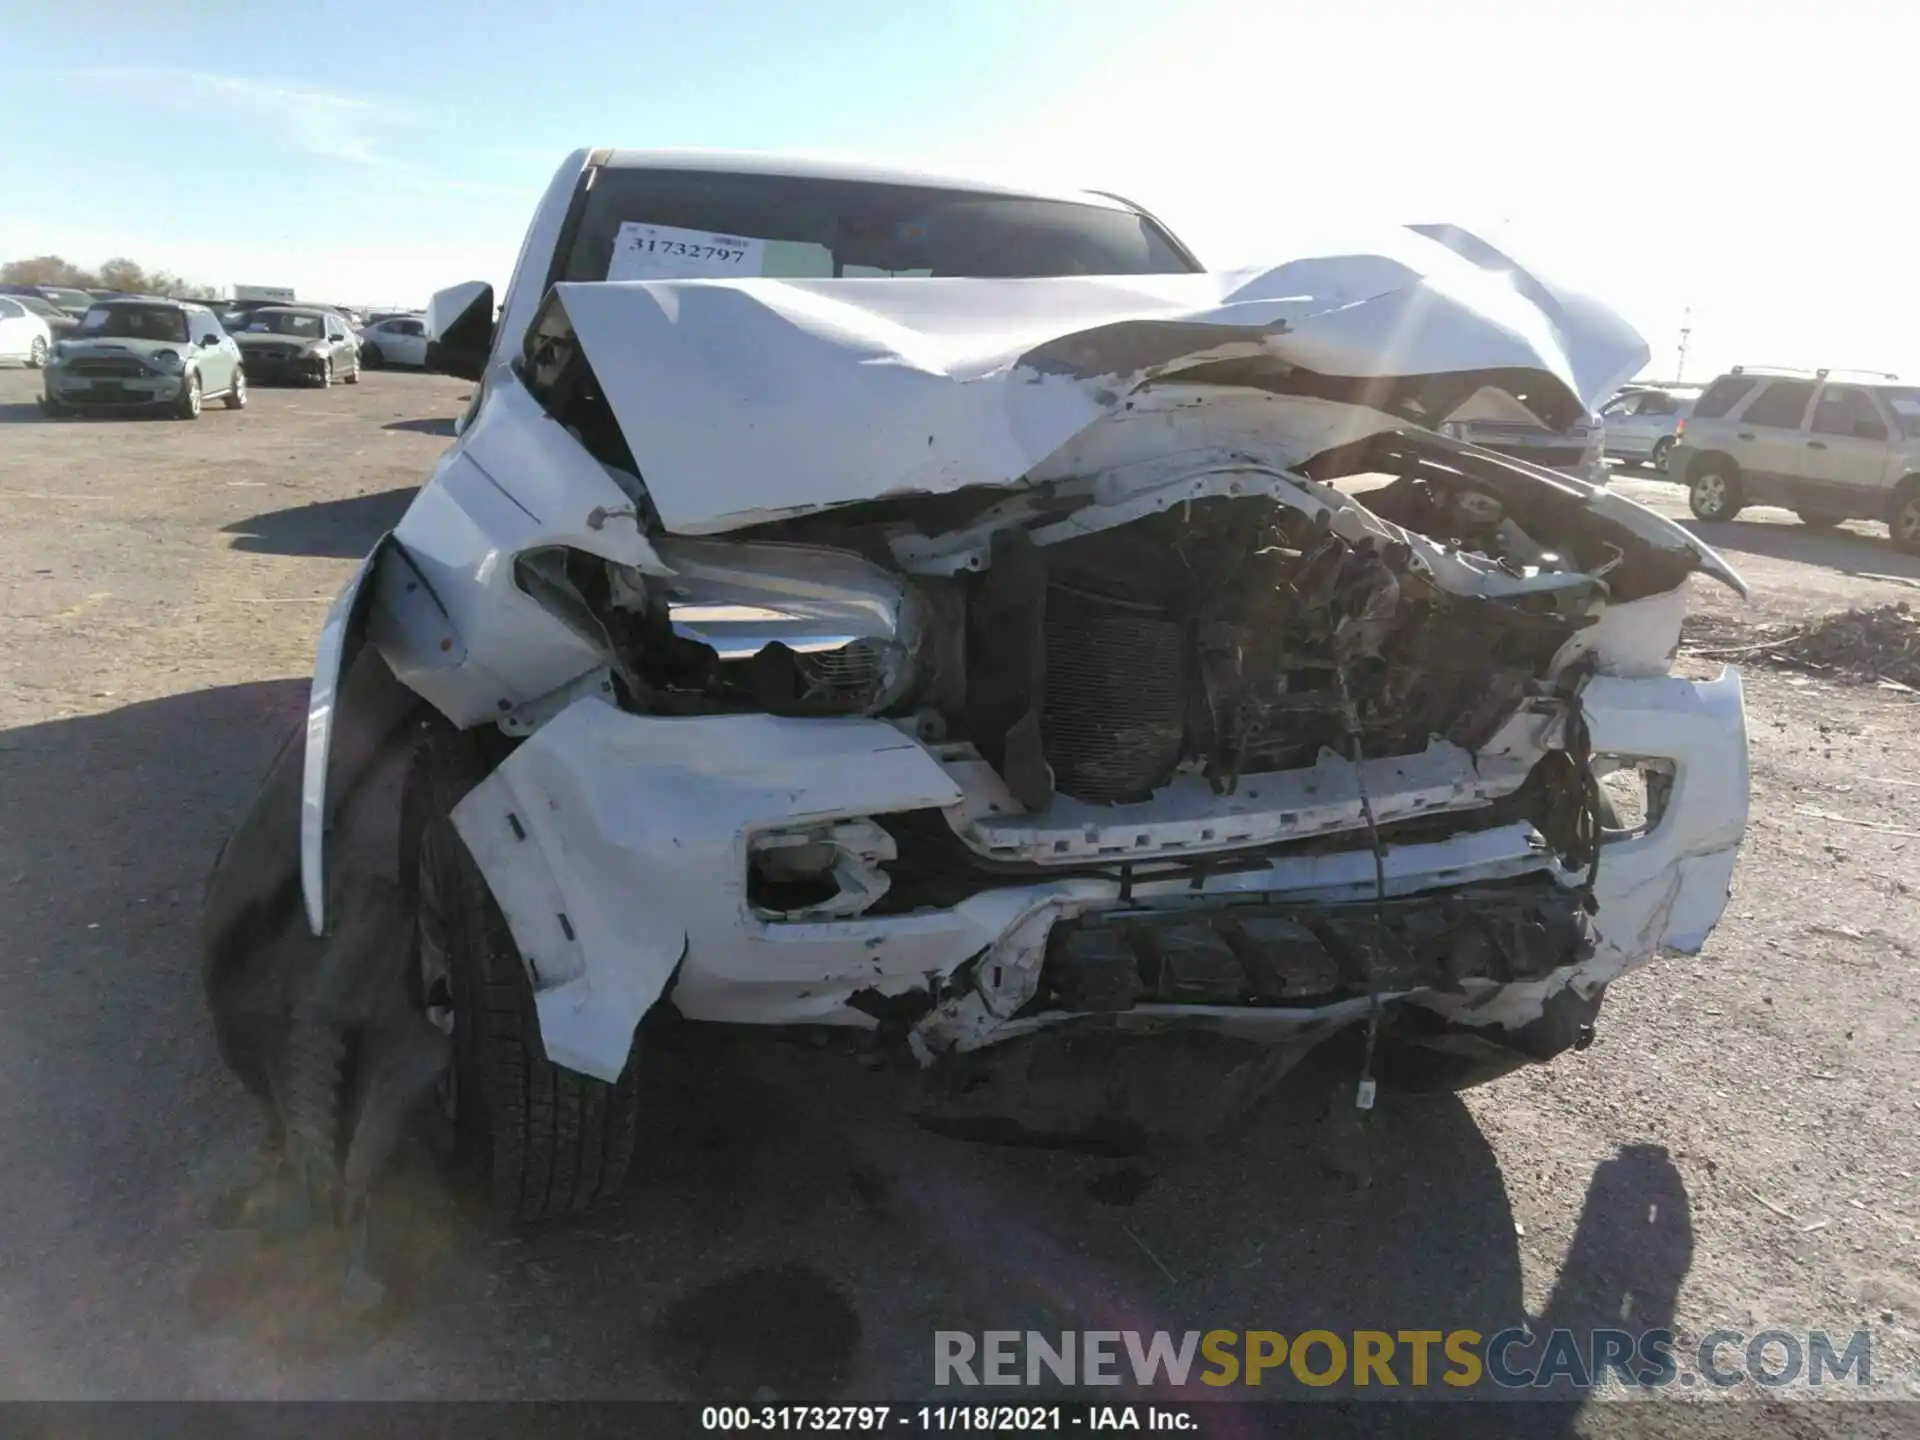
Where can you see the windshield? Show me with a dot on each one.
(1905, 405)
(283, 322)
(666, 224)
(135, 322)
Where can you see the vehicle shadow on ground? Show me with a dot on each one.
(432, 425)
(19, 414)
(1846, 550)
(344, 529)
(787, 1230)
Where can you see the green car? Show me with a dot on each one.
(133, 355)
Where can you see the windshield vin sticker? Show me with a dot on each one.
(666, 252)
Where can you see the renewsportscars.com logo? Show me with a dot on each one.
(1512, 1359)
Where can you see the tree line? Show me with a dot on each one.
(118, 273)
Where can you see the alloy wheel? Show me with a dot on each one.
(1906, 523)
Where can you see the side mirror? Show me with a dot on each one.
(207, 342)
(460, 328)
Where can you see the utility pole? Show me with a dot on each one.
(1686, 329)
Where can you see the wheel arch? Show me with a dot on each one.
(364, 700)
(1701, 461)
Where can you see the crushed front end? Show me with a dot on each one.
(1257, 760)
(1045, 676)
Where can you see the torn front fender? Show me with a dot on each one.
(303, 954)
(259, 951)
(354, 709)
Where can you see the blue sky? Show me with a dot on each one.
(1752, 160)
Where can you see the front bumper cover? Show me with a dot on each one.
(617, 845)
(297, 368)
(85, 392)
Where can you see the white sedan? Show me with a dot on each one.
(401, 341)
(23, 334)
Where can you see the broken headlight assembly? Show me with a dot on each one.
(730, 625)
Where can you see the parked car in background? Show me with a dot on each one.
(1642, 422)
(68, 298)
(145, 354)
(58, 321)
(24, 336)
(234, 313)
(1829, 445)
(399, 341)
(299, 343)
(1494, 420)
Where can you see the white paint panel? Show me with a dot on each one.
(754, 398)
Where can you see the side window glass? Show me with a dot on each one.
(1781, 405)
(1846, 411)
(1655, 403)
(1721, 396)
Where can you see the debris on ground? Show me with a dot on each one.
(1880, 645)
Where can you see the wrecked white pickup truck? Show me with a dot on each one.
(946, 613)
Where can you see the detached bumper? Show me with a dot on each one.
(617, 847)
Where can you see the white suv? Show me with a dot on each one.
(1829, 445)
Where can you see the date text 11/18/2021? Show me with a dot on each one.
(947, 1419)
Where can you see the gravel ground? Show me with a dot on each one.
(1737, 1150)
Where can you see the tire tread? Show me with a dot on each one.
(555, 1142)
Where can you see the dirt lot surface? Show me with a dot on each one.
(1737, 1150)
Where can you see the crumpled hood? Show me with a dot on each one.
(746, 400)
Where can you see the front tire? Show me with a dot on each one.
(543, 1141)
(1904, 523)
(1714, 491)
(36, 353)
(237, 391)
(353, 375)
(187, 407)
(372, 358)
(1662, 448)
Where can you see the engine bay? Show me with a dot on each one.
(1221, 637)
